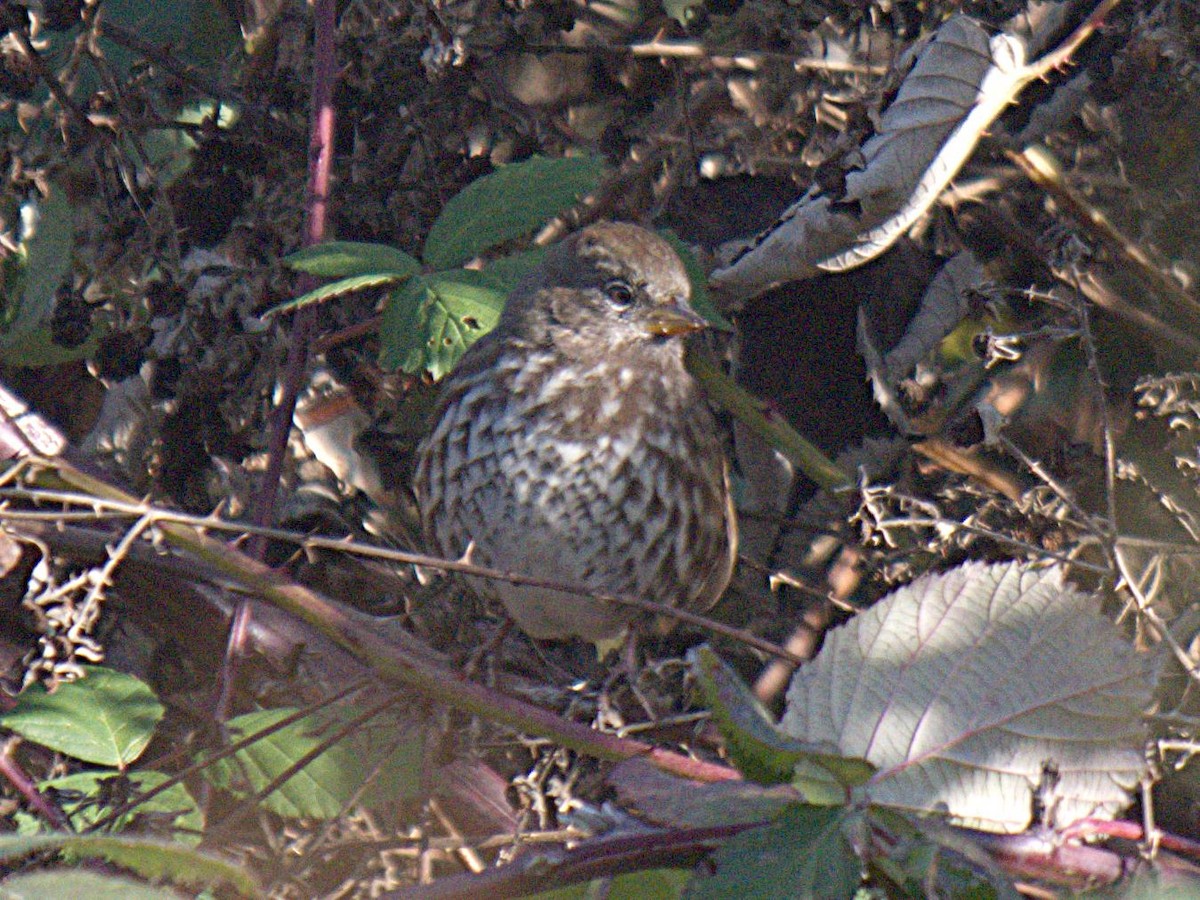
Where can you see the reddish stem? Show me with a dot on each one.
(12, 772)
(320, 165)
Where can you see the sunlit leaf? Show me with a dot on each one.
(430, 322)
(106, 718)
(976, 689)
(336, 289)
(343, 259)
(507, 204)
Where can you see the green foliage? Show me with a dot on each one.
(150, 859)
(652, 884)
(805, 853)
(925, 860)
(923, 864)
(701, 300)
(81, 797)
(431, 322)
(431, 319)
(760, 749)
(191, 28)
(509, 270)
(30, 281)
(339, 288)
(506, 205)
(346, 259)
(355, 264)
(67, 884)
(329, 778)
(106, 718)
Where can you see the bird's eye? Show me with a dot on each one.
(619, 294)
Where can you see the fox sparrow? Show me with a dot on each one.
(571, 444)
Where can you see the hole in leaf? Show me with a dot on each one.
(470, 322)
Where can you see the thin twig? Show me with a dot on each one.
(461, 566)
(223, 753)
(398, 658)
(316, 206)
(1044, 170)
(14, 774)
(1147, 610)
(217, 834)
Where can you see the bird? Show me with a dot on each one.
(571, 444)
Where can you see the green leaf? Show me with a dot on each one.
(507, 204)
(507, 271)
(430, 322)
(701, 300)
(79, 796)
(762, 751)
(342, 259)
(922, 864)
(336, 289)
(47, 261)
(805, 853)
(69, 884)
(1152, 883)
(652, 884)
(325, 785)
(924, 858)
(35, 347)
(106, 718)
(148, 858)
(193, 30)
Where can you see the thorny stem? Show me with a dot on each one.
(343, 545)
(398, 658)
(12, 772)
(320, 166)
(1061, 55)
(1040, 166)
(223, 753)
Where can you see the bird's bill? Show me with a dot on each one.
(668, 321)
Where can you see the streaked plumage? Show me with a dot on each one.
(571, 444)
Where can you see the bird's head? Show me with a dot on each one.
(612, 288)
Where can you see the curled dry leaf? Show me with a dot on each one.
(960, 83)
(945, 304)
